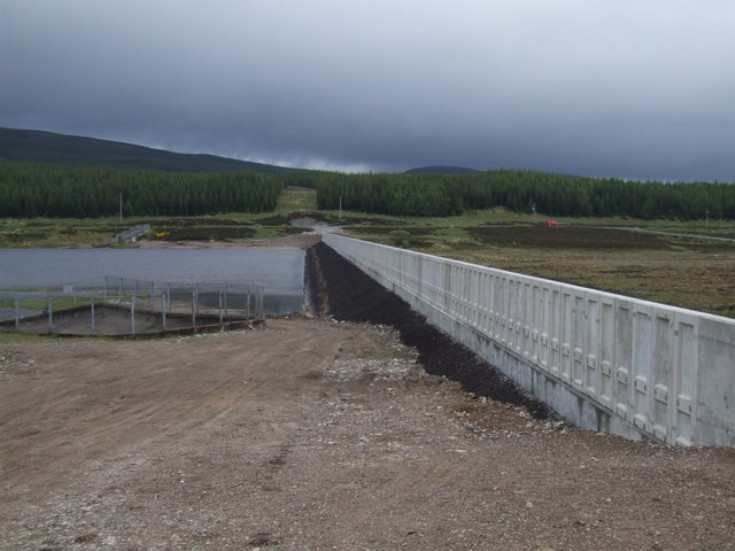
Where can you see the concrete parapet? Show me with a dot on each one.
(605, 362)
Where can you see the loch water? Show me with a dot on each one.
(279, 271)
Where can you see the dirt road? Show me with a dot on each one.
(316, 434)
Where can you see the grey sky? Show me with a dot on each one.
(626, 88)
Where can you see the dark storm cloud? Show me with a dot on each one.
(625, 88)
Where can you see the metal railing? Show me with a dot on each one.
(128, 307)
(131, 234)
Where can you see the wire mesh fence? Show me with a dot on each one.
(129, 307)
(131, 234)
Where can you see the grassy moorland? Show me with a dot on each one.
(660, 260)
(663, 261)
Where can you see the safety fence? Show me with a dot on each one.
(131, 234)
(129, 307)
(606, 362)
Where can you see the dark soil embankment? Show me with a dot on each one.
(344, 292)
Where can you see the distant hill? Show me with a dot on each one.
(441, 170)
(48, 147)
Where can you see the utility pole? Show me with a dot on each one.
(121, 207)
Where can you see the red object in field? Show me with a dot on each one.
(551, 223)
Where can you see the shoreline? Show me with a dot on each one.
(293, 241)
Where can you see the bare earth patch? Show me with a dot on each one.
(319, 435)
(294, 241)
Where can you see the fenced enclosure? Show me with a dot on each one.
(118, 306)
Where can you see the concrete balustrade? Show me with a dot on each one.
(605, 362)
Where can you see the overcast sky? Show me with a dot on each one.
(627, 88)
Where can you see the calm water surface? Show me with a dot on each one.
(279, 271)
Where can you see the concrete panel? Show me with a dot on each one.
(603, 361)
(715, 400)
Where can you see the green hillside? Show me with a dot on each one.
(48, 147)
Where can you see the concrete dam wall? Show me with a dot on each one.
(605, 362)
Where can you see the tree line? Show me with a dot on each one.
(521, 191)
(32, 189)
